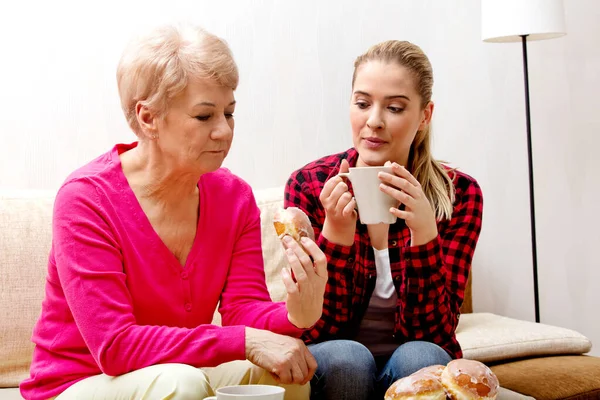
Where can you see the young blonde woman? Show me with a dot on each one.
(394, 291)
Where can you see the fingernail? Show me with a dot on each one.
(287, 239)
(304, 239)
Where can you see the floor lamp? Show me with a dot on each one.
(522, 21)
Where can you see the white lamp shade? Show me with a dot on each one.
(507, 20)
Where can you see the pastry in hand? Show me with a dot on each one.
(294, 222)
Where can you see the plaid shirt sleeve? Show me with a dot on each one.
(302, 191)
(436, 273)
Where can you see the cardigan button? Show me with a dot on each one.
(188, 307)
(350, 260)
(394, 243)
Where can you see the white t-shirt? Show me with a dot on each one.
(384, 295)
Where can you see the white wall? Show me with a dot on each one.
(60, 109)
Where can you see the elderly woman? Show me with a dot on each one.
(149, 237)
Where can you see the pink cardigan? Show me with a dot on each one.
(117, 299)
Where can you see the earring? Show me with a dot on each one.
(154, 136)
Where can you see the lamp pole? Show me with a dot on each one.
(531, 186)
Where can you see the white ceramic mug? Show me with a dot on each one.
(373, 205)
(249, 392)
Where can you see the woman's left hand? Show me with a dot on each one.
(304, 295)
(418, 213)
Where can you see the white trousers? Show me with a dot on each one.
(176, 382)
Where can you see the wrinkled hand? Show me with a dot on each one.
(417, 213)
(287, 358)
(340, 210)
(304, 300)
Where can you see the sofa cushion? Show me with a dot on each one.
(269, 201)
(25, 227)
(488, 337)
(552, 378)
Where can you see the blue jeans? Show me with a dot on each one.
(347, 369)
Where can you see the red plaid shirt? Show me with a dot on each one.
(430, 279)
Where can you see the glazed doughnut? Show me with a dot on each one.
(433, 369)
(294, 222)
(425, 384)
(469, 380)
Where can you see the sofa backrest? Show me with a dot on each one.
(25, 239)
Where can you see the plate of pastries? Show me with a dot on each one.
(461, 379)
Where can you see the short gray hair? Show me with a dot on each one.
(156, 67)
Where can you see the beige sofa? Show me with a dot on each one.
(25, 236)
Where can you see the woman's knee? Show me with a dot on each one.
(427, 351)
(412, 356)
(346, 370)
(156, 382)
(184, 382)
(344, 355)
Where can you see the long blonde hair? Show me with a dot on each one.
(431, 174)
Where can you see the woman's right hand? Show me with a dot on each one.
(340, 210)
(287, 358)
